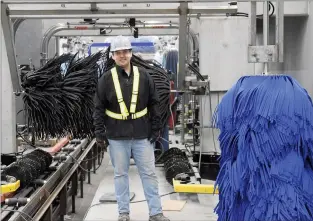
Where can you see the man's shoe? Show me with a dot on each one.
(158, 217)
(123, 217)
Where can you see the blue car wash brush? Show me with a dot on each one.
(266, 140)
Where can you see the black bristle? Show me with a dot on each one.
(175, 162)
(29, 167)
(62, 104)
(59, 105)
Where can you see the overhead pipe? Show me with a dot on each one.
(117, 26)
(78, 26)
(17, 22)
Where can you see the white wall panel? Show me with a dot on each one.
(291, 8)
(8, 115)
(223, 44)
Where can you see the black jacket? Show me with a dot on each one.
(145, 127)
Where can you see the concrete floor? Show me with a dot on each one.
(82, 204)
(198, 207)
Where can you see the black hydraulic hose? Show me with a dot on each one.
(194, 70)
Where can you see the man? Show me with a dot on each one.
(126, 113)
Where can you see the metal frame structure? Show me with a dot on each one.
(116, 26)
(1, 29)
(117, 1)
(68, 171)
(266, 53)
(12, 9)
(108, 26)
(9, 44)
(182, 11)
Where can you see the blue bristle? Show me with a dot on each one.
(266, 140)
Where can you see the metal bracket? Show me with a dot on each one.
(183, 10)
(196, 84)
(266, 53)
(93, 7)
(263, 54)
(192, 81)
(196, 87)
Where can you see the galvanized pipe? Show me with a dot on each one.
(61, 27)
(118, 26)
(45, 42)
(17, 22)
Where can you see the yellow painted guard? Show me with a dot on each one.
(11, 187)
(193, 188)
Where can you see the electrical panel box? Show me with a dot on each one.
(223, 50)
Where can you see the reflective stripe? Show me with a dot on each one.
(124, 115)
(140, 114)
(133, 102)
(119, 95)
(133, 116)
(114, 115)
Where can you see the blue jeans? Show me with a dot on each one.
(143, 154)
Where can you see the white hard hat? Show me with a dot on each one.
(120, 43)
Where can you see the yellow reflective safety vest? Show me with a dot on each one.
(125, 114)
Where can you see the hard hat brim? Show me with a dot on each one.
(121, 48)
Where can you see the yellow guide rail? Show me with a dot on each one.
(193, 188)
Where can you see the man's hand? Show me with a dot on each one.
(102, 145)
(154, 137)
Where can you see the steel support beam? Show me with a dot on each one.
(183, 22)
(252, 25)
(138, 16)
(280, 29)
(1, 100)
(103, 13)
(117, 1)
(266, 31)
(9, 43)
